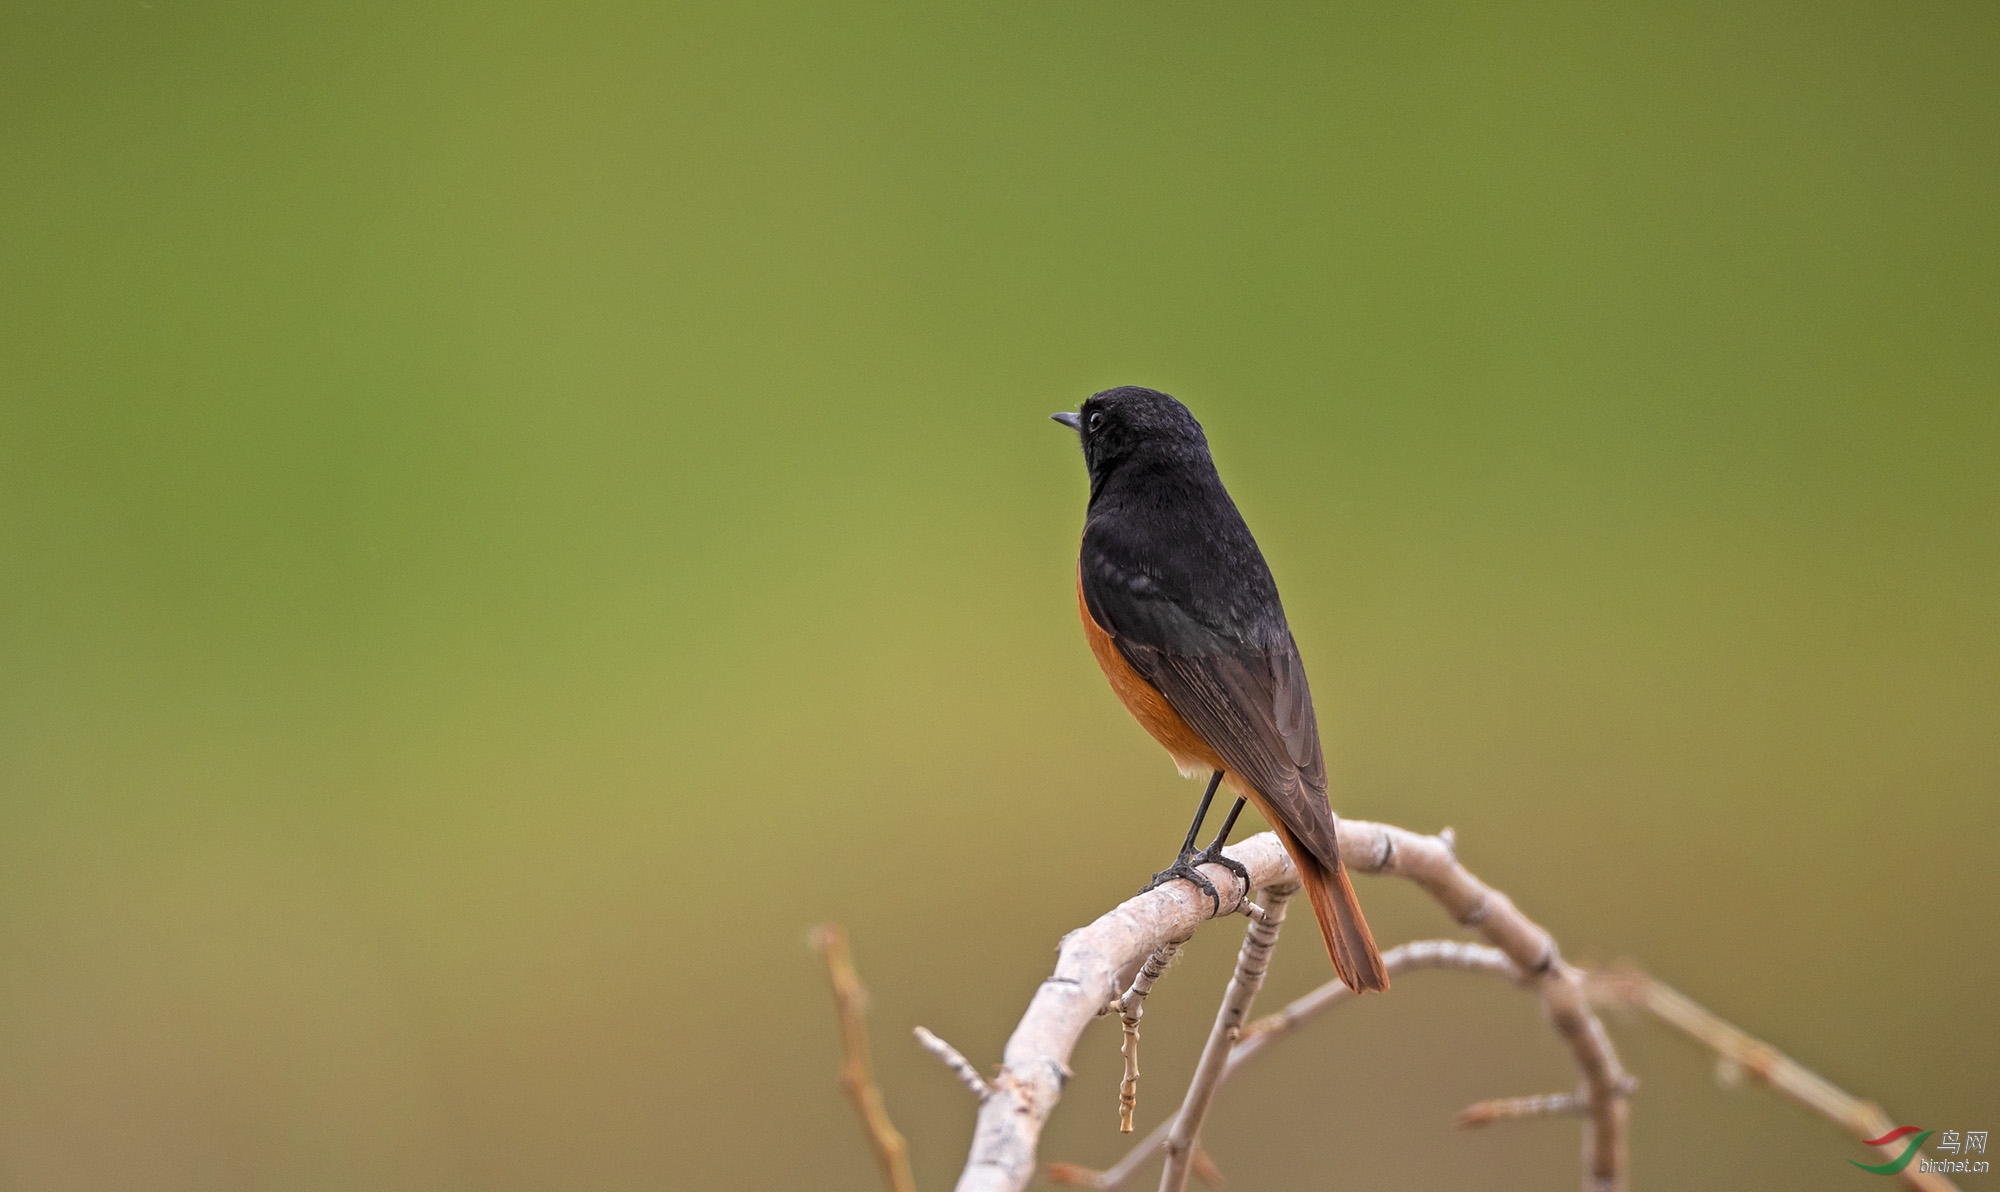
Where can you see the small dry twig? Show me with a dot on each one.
(1507, 1109)
(1504, 1109)
(857, 1075)
(952, 1058)
(1627, 985)
(1131, 1007)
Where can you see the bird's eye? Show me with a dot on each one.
(1097, 420)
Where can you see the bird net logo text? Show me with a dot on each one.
(1951, 1142)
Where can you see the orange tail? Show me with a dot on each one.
(1348, 940)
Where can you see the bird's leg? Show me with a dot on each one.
(1184, 864)
(1200, 814)
(1212, 855)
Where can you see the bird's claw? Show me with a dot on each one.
(1185, 868)
(1212, 855)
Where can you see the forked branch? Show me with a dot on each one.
(1622, 987)
(1136, 939)
(1035, 1063)
(1271, 1029)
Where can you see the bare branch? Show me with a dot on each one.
(1265, 1031)
(1626, 985)
(1430, 862)
(857, 1076)
(1035, 1061)
(1252, 962)
(1411, 957)
(951, 1058)
(1140, 937)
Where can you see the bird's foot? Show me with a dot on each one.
(1185, 868)
(1212, 855)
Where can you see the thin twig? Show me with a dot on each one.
(952, 1058)
(1503, 1109)
(1128, 1086)
(1265, 1031)
(1626, 985)
(1507, 1109)
(1131, 1007)
(1414, 956)
(1252, 962)
(857, 1076)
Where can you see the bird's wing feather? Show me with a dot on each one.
(1250, 703)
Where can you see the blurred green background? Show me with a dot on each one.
(508, 515)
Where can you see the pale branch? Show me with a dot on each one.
(1262, 1033)
(1411, 957)
(1252, 962)
(951, 1058)
(857, 1077)
(1626, 985)
(1035, 1061)
(1430, 861)
(1092, 961)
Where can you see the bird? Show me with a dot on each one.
(1183, 616)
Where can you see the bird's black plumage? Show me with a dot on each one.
(1169, 569)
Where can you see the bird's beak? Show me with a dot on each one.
(1072, 421)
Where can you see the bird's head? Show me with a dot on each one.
(1133, 423)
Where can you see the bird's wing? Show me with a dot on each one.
(1250, 702)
